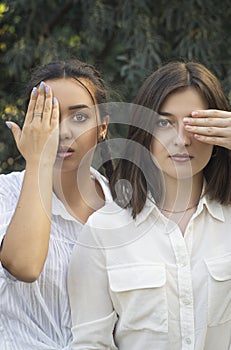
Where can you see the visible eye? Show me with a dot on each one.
(79, 117)
(163, 123)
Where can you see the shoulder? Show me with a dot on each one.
(10, 188)
(103, 183)
(11, 183)
(109, 216)
(109, 226)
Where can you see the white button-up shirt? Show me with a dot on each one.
(36, 316)
(140, 284)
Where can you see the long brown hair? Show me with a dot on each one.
(137, 166)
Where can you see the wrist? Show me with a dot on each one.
(38, 166)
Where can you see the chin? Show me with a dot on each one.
(64, 166)
(179, 175)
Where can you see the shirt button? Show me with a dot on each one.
(183, 263)
(186, 301)
(188, 341)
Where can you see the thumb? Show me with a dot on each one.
(16, 131)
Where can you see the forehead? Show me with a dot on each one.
(183, 102)
(70, 92)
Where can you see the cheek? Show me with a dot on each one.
(80, 130)
(158, 153)
(204, 150)
(87, 139)
(159, 146)
(206, 154)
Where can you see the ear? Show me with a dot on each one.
(103, 127)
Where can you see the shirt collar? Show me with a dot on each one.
(214, 208)
(103, 183)
(146, 211)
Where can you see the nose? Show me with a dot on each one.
(64, 130)
(183, 137)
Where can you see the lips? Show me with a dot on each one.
(64, 152)
(181, 157)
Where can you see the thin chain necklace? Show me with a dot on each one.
(178, 212)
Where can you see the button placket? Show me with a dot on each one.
(187, 301)
(184, 280)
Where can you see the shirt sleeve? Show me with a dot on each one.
(93, 316)
(10, 187)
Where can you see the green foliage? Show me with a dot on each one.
(125, 39)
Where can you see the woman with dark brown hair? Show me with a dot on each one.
(152, 270)
(44, 207)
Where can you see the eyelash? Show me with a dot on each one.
(76, 115)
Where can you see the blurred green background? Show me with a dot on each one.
(124, 39)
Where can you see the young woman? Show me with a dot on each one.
(152, 269)
(43, 209)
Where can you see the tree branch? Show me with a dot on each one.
(56, 18)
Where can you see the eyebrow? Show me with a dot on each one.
(78, 107)
(166, 114)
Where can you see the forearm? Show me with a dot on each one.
(26, 241)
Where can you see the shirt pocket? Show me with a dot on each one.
(139, 296)
(219, 289)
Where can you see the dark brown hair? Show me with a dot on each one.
(137, 166)
(76, 69)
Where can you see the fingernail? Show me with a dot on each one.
(54, 101)
(41, 86)
(194, 114)
(34, 91)
(188, 127)
(186, 120)
(47, 88)
(9, 125)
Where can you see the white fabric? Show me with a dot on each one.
(37, 315)
(169, 291)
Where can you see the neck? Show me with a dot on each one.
(181, 195)
(65, 184)
(80, 194)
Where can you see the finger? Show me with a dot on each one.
(16, 131)
(212, 113)
(38, 110)
(47, 110)
(213, 140)
(31, 106)
(209, 130)
(55, 113)
(208, 122)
